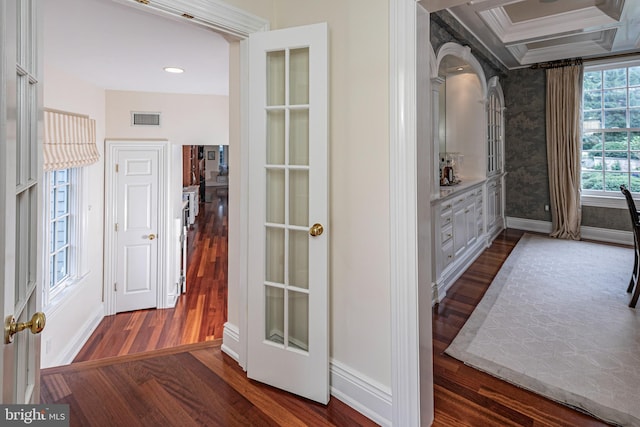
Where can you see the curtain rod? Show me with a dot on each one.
(557, 64)
(565, 62)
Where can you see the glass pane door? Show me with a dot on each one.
(286, 285)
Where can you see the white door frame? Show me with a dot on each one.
(405, 349)
(164, 231)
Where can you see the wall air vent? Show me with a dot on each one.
(145, 119)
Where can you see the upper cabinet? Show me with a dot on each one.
(495, 128)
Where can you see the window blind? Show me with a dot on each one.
(69, 140)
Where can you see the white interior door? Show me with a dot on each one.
(288, 212)
(20, 198)
(137, 209)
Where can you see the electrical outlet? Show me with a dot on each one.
(546, 208)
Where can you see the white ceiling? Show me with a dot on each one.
(524, 32)
(118, 47)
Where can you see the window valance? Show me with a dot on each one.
(69, 140)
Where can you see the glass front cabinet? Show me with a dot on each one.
(467, 201)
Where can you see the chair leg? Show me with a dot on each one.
(634, 299)
(634, 275)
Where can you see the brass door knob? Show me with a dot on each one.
(151, 236)
(35, 325)
(316, 230)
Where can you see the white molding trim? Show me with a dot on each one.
(529, 225)
(243, 312)
(464, 53)
(405, 349)
(74, 345)
(214, 14)
(363, 394)
(571, 22)
(592, 233)
(231, 341)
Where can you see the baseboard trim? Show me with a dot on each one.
(231, 341)
(363, 394)
(592, 233)
(76, 343)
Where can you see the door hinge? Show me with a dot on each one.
(117, 168)
(115, 287)
(116, 226)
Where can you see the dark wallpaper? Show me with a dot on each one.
(527, 181)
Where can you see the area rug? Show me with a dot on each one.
(556, 321)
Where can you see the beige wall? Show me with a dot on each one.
(359, 174)
(184, 120)
(69, 321)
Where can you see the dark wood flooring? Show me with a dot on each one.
(191, 385)
(199, 385)
(199, 314)
(467, 397)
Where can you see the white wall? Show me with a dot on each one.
(71, 322)
(466, 123)
(184, 120)
(359, 177)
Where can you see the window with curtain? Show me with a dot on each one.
(611, 128)
(69, 145)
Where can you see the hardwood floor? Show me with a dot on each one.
(192, 385)
(467, 397)
(199, 385)
(199, 314)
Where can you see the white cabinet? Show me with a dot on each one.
(495, 209)
(459, 234)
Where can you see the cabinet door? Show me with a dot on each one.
(459, 228)
(470, 220)
(491, 206)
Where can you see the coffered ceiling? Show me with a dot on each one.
(524, 32)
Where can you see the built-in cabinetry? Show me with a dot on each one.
(468, 135)
(458, 231)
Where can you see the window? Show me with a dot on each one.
(611, 128)
(61, 231)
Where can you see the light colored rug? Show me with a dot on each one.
(556, 321)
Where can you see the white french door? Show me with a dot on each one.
(288, 342)
(20, 199)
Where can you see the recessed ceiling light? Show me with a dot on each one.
(174, 70)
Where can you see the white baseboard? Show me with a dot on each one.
(363, 394)
(591, 233)
(76, 343)
(529, 225)
(231, 341)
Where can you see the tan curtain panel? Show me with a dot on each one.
(564, 98)
(69, 140)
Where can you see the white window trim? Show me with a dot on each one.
(607, 199)
(78, 240)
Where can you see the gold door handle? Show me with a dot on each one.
(316, 230)
(35, 325)
(151, 236)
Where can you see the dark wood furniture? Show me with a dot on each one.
(635, 223)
